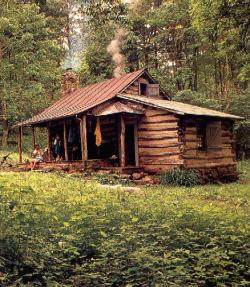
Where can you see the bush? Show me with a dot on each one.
(179, 176)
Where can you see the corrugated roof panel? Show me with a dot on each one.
(84, 98)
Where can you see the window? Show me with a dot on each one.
(143, 89)
(209, 135)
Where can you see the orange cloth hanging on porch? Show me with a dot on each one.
(98, 134)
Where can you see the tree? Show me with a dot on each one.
(30, 62)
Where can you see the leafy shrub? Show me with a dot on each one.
(177, 176)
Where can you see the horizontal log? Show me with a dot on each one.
(227, 134)
(160, 161)
(191, 129)
(145, 121)
(226, 145)
(158, 128)
(224, 148)
(154, 111)
(159, 154)
(189, 137)
(155, 124)
(153, 134)
(160, 117)
(209, 161)
(190, 133)
(156, 137)
(165, 115)
(228, 141)
(209, 165)
(161, 149)
(190, 145)
(150, 145)
(207, 157)
(131, 92)
(158, 141)
(187, 142)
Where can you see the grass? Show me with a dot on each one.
(27, 146)
(60, 230)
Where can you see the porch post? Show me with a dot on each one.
(136, 143)
(20, 144)
(65, 141)
(49, 142)
(122, 141)
(33, 136)
(83, 132)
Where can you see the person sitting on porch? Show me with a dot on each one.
(37, 155)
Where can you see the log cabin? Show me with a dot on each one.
(130, 123)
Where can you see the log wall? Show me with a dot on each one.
(213, 164)
(159, 147)
(133, 89)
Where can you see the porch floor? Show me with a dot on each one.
(77, 166)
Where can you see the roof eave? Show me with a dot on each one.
(228, 116)
(150, 104)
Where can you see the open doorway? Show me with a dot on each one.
(130, 156)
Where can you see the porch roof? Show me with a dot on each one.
(177, 107)
(116, 108)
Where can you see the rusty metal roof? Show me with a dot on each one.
(177, 107)
(84, 98)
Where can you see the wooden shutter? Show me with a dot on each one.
(213, 135)
(153, 90)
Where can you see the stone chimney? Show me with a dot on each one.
(70, 82)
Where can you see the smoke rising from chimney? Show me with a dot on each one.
(114, 49)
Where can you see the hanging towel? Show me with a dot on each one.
(98, 134)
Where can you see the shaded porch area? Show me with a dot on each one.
(100, 140)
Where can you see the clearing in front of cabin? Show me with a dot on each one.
(61, 230)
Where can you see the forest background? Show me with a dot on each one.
(197, 49)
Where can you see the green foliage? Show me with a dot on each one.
(30, 65)
(63, 231)
(196, 98)
(181, 177)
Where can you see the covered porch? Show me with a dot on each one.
(114, 148)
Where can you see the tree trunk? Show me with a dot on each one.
(5, 124)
